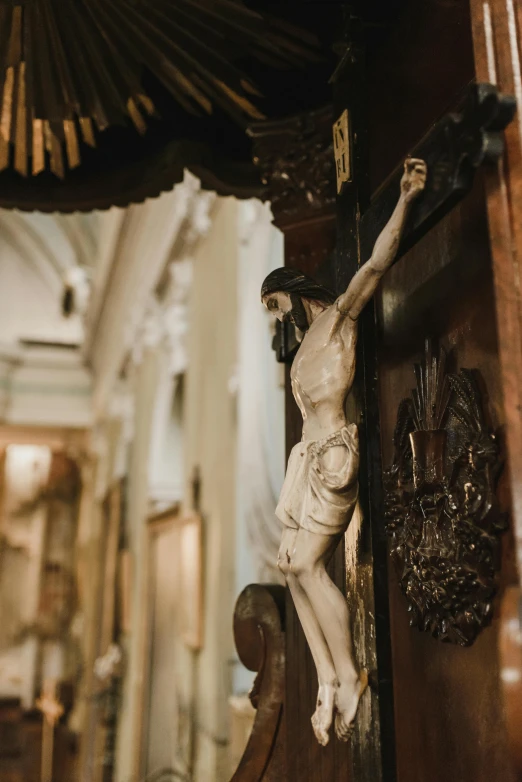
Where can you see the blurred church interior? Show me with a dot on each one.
(153, 398)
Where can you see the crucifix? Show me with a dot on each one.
(319, 497)
(320, 493)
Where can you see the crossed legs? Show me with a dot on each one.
(323, 613)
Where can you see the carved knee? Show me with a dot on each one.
(302, 567)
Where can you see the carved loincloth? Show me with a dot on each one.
(314, 498)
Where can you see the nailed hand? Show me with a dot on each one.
(413, 180)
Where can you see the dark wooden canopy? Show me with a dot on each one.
(107, 103)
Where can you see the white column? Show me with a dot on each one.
(146, 379)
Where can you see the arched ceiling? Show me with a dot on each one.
(37, 255)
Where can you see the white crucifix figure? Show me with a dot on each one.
(320, 490)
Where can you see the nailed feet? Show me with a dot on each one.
(347, 697)
(323, 715)
(343, 697)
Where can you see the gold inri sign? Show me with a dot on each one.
(341, 138)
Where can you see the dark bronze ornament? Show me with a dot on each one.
(441, 510)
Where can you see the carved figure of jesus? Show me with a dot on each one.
(320, 490)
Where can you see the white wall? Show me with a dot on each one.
(260, 388)
(210, 445)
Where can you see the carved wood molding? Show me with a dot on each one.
(441, 510)
(260, 641)
(296, 159)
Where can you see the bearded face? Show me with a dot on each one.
(297, 313)
(287, 307)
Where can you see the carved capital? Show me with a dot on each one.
(296, 160)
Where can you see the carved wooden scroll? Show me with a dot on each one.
(440, 505)
(260, 642)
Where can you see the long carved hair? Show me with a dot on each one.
(291, 281)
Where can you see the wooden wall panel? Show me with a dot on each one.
(497, 40)
(415, 77)
(449, 717)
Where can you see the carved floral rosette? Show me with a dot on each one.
(441, 511)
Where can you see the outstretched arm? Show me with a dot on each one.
(364, 284)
